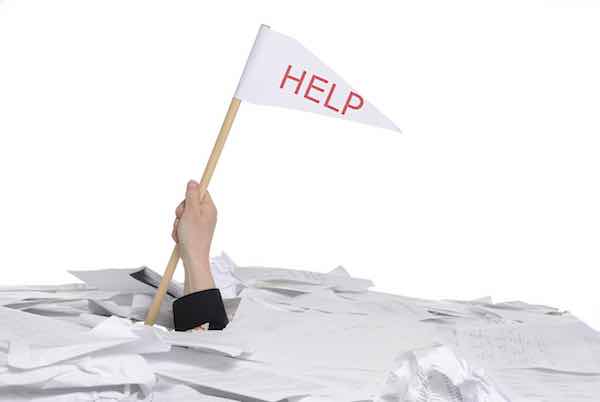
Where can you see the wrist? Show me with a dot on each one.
(199, 280)
(197, 273)
(193, 265)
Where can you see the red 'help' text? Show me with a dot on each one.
(318, 90)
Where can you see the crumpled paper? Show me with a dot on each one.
(437, 374)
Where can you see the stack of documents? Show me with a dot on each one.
(294, 336)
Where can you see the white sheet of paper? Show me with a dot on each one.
(329, 302)
(141, 304)
(136, 307)
(261, 275)
(109, 307)
(36, 329)
(121, 280)
(114, 280)
(326, 340)
(569, 346)
(167, 391)
(148, 276)
(27, 354)
(67, 287)
(234, 376)
(147, 339)
(222, 268)
(383, 303)
(24, 299)
(524, 385)
(116, 393)
(71, 308)
(341, 384)
(205, 340)
(85, 372)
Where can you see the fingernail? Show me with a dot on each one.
(192, 184)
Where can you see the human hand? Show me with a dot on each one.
(195, 221)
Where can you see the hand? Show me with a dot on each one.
(195, 221)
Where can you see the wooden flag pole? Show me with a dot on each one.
(206, 176)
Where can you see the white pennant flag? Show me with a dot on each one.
(282, 72)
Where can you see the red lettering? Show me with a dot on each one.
(287, 76)
(311, 85)
(329, 95)
(349, 105)
(353, 101)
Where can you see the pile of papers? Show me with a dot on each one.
(294, 336)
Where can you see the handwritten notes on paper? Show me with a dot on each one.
(561, 346)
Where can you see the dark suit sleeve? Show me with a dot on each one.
(198, 308)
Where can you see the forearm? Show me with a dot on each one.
(197, 274)
(194, 225)
(202, 303)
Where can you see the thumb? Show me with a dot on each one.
(192, 196)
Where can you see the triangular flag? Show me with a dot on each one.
(282, 72)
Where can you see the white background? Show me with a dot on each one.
(107, 108)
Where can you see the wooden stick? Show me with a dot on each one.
(206, 176)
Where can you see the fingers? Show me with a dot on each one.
(174, 232)
(179, 210)
(178, 214)
(209, 202)
(195, 198)
(192, 198)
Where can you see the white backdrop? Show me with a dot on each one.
(108, 108)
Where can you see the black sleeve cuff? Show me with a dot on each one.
(198, 308)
